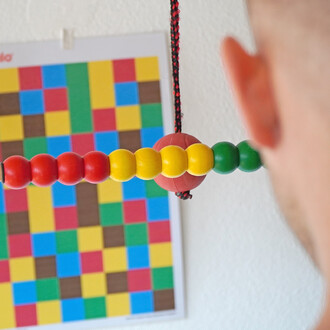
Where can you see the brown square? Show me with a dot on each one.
(149, 92)
(130, 140)
(70, 287)
(18, 223)
(34, 125)
(12, 148)
(45, 267)
(164, 300)
(113, 236)
(9, 104)
(117, 282)
(87, 204)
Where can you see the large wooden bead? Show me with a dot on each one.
(70, 168)
(97, 166)
(43, 170)
(148, 163)
(226, 157)
(249, 158)
(200, 159)
(122, 165)
(17, 172)
(174, 161)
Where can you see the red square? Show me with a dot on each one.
(91, 262)
(56, 99)
(139, 280)
(26, 315)
(104, 120)
(4, 271)
(30, 78)
(124, 70)
(159, 231)
(20, 245)
(15, 200)
(66, 217)
(82, 143)
(135, 211)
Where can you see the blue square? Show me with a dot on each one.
(25, 292)
(53, 76)
(134, 189)
(58, 144)
(106, 141)
(157, 208)
(2, 199)
(63, 195)
(138, 257)
(31, 102)
(150, 135)
(68, 264)
(126, 93)
(43, 244)
(73, 309)
(142, 302)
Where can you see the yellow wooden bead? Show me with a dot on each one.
(200, 159)
(174, 161)
(122, 165)
(148, 163)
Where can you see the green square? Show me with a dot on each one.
(95, 307)
(34, 146)
(66, 241)
(162, 278)
(3, 237)
(48, 289)
(153, 190)
(151, 115)
(111, 214)
(76, 74)
(136, 234)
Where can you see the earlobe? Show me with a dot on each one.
(249, 79)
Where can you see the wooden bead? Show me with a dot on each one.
(148, 163)
(174, 161)
(226, 157)
(200, 159)
(70, 168)
(249, 158)
(122, 165)
(97, 166)
(17, 172)
(43, 170)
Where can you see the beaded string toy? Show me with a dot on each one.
(178, 162)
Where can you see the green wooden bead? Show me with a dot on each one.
(249, 158)
(226, 157)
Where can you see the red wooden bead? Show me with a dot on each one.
(17, 172)
(43, 170)
(97, 166)
(70, 168)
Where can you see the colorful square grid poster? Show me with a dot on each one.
(87, 255)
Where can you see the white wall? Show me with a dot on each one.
(244, 269)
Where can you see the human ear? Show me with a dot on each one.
(249, 79)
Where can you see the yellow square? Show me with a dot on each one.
(115, 259)
(57, 123)
(161, 255)
(147, 68)
(109, 191)
(9, 80)
(118, 304)
(11, 128)
(128, 118)
(93, 285)
(22, 269)
(90, 239)
(7, 315)
(41, 214)
(49, 312)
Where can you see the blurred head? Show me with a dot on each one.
(283, 94)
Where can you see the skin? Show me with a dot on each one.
(282, 92)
